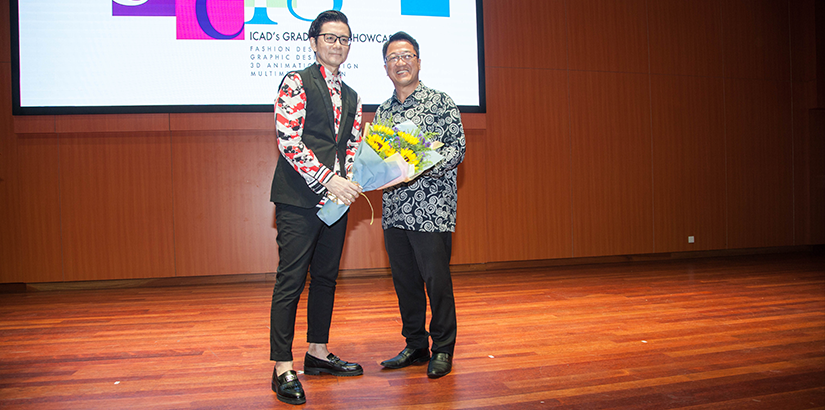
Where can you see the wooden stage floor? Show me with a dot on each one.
(742, 332)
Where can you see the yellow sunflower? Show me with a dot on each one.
(408, 156)
(376, 142)
(409, 138)
(383, 129)
(388, 150)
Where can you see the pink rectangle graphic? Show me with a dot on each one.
(210, 19)
(147, 8)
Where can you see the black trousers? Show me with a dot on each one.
(305, 243)
(420, 263)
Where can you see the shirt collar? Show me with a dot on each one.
(332, 79)
(416, 95)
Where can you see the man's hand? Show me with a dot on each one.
(343, 189)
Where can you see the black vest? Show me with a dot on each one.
(288, 186)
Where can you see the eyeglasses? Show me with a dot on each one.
(331, 38)
(394, 59)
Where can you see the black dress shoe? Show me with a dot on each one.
(440, 365)
(334, 366)
(288, 388)
(407, 357)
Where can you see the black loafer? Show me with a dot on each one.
(334, 366)
(407, 357)
(440, 365)
(288, 388)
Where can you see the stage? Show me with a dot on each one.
(740, 332)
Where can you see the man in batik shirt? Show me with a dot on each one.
(419, 217)
(318, 122)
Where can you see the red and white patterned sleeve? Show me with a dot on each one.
(290, 113)
(354, 139)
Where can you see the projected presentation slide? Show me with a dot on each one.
(99, 56)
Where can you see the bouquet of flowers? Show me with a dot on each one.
(388, 155)
(406, 147)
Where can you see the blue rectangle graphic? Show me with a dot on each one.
(431, 8)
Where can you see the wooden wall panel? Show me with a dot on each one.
(760, 163)
(809, 184)
(5, 27)
(816, 170)
(9, 209)
(612, 195)
(803, 39)
(471, 121)
(756, 39)
(111, 123)
(39, 246)
(34, 124)
(471, 244)
(223, 121)
(224, 222)
(820, 55)
(804, 96)
(9, 186)
(528, 148)
(116, 205)
(364, 246)
(525, 33)
(608, 35)
(688, 163)
(686, 37)
(9, 205)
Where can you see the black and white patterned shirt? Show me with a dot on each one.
(429, 202)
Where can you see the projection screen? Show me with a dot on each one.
(140, 56)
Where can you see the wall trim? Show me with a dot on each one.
(492, 267)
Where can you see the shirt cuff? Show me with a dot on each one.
(324, 174)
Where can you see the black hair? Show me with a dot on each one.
(326, 17)
(401, 36)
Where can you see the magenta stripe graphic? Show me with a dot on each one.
(210, 19)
